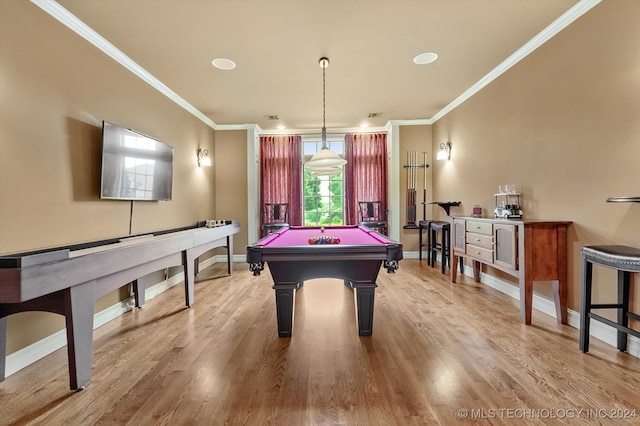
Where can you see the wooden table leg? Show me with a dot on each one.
(526, 299)
(476, 271)
(454, 267)
(561, 286)
(560, 299)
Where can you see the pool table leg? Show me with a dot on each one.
(364, 298)
(285, 301)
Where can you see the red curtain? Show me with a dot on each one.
(365, 172)
(281, 173)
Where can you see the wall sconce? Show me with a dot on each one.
(203, 157)
(445, 151)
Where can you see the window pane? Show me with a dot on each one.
(309, 148)
(322, 195)
(336, 146)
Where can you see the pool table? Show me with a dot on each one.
(356, 259)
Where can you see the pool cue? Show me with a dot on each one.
(424, 188)
(411, 183)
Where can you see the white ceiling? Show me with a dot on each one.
(276, 46)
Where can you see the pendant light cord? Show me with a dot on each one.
(324, 100)
(324, 63)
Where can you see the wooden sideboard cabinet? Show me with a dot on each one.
(530, 250)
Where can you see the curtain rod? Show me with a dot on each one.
(319, 133)
(336, 131)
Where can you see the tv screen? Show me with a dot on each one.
(134, 166)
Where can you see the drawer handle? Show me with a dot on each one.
(478, 252)
(477, 227)
(478, 239)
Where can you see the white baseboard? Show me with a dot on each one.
(597, 329)
(43, 347)
(38, 350)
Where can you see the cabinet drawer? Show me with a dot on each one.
(480, 227)
(480, 253)
(484, 241)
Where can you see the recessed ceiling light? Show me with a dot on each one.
(223, 64)
(281, 127)
(425, 58)
(364, 125)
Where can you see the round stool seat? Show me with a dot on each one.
(439, 225)
(614, 256)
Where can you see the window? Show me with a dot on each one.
(323, 196)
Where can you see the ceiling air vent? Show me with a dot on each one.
(271, 117)
(374, 114)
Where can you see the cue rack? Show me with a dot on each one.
(412, 167)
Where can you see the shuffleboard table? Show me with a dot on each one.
(68, 280)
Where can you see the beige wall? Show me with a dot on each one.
(418, 139)
(231, 182)
(55, 90)
(564, 123)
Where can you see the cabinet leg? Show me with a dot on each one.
(476, 271)
(560, 299)
(454, 268)
(526, 299)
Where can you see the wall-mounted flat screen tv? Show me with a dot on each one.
(134, 166)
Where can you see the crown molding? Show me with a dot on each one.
(579, 9)
(255, 127)
(83, 30)
(421, 122)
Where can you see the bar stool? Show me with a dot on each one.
(424, 225)
(442, 245)
(623, 259)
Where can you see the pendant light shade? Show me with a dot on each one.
(325, 158)
(325, 161)
(324, 171)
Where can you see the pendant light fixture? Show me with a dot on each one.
(325, 161)
(324, 171)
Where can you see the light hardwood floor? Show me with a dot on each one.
(440, 353)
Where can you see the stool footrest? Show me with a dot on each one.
(614, 324)
(607, 306)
